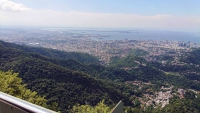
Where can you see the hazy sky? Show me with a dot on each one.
(151, 14)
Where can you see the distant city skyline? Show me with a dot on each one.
(148, 14)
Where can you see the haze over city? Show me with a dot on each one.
(154, 14)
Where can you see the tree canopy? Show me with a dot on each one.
(11, 84)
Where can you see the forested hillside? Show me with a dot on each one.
(76, 78)
(192, 57)
(57, 83)
(52, 53)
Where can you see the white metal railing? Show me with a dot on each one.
(10, 104)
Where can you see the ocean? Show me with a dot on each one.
(122, 34)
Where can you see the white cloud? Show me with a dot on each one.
(85, 19)
(7, 5)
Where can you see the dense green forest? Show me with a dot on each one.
(71, 79)
(11, 84)
(57, 83)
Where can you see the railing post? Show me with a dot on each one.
(119, 108)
